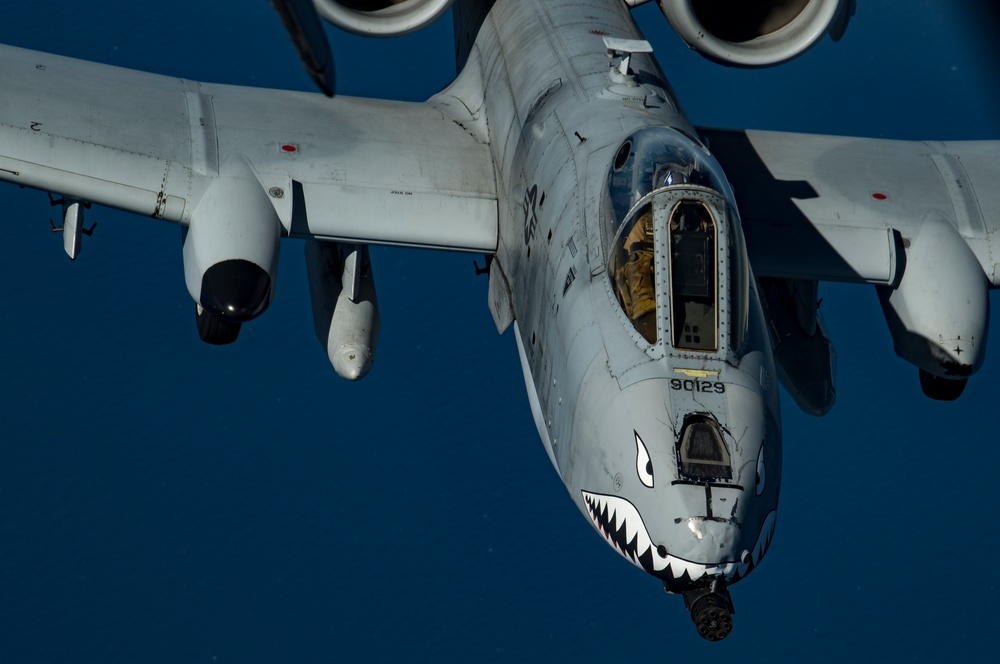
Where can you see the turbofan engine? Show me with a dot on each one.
(373, 18)
(939, 313)
(231, 253)
(756, 33)
(381, 18)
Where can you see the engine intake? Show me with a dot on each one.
(231, 246)
(761, 33)
(235, 289)
(382, 18)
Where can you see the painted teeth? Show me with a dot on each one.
(621, 525)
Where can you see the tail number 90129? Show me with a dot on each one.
(690, 385)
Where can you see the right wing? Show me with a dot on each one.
(843, 209)
(357, 170)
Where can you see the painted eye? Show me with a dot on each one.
(760, 470)
(643, 466)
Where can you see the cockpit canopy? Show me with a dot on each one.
(676, 256)
(656, 157)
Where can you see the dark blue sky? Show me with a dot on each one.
(161, 500)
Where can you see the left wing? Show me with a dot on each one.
(358, 170)
(845, 209)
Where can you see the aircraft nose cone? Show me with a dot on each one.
(235, 290)
(352, 361)
(713, 541)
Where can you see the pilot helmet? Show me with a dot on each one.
(670, 174)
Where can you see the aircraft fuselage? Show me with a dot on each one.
(646, 359)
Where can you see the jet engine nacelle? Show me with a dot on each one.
(938, 315)
(381, 18)
(345, 309)
(757, 33)
(231, 246)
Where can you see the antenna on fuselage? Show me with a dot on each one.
(620, 51)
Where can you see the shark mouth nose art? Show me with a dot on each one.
(619, 522)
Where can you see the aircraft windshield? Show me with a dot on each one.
(674, 241)
(656, 157)
(694, 295)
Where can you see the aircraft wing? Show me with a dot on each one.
(359, 170)
(843, 209)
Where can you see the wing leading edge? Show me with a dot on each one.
(357, 170)
(844, 209)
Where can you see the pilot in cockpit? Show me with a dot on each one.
(635, 278)
(641, 235)
(671, 174)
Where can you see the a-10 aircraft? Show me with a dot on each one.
(660, 278)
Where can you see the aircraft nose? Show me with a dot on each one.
(713, 540)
